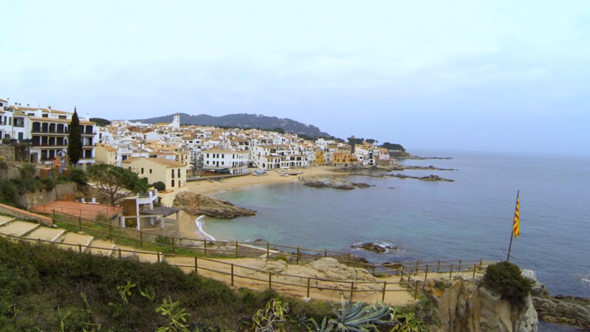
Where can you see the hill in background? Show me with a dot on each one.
(243, 120)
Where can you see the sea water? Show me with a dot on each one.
(468, 219)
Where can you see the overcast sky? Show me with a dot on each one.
(464, 75)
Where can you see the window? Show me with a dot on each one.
(172, 182)
(142, 170)
(45, 115)
(150, 171)
(178, 172)
(63, 117)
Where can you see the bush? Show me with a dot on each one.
(9, 193)
(160, 186)
(506, 279)
(77, 175)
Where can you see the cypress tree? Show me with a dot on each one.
(75, 140)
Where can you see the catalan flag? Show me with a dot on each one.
(516, 224)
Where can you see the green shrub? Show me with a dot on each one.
(9, 193)
(78, 175)
(160, 186)
(506, 279)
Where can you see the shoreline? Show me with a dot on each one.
(188, 224)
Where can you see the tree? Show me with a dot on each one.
(116, 182)
(101, 122)
(75, 140)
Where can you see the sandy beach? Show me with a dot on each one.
(209, 187)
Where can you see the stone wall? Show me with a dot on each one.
(21, 214)
(466, 306)
(60, 192)
(7, 152)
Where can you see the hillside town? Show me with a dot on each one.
(171, 152)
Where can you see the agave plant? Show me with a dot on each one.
(359, 317)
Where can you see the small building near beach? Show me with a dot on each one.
(172, 173)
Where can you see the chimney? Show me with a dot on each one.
(87, 117)
(49, 107)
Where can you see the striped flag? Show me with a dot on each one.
(516, 224)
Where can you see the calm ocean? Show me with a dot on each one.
(470, 218)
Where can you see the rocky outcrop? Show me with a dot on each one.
(195, 204)
(379, 248)
(559, 309)
(432, 177)
(333, 183)
(326, 272)
(467, 306)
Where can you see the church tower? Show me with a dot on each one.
(176, 122)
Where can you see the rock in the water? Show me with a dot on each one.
(374, 247)
(196, 204)
(333, 183)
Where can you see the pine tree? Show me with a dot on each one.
(75, 140)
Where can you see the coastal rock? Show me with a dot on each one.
(432, 177)
(374, 247)
(466, 305)
(195, 204)
(333, 183)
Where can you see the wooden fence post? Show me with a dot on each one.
(267, 252)
(384, 288)
(173, 246)
(348, 261)
(451, 275)
(438, 267)
(119, 253)
(159, 257)
(80, 247)
(416, 291)
(459, 268)
(80, 223)
(416, 272)
(237, 252)
(298, 253)
(308, 285)
(196, 272)
(232, 274)
(351, 290)
(480, 264)
(111, 232)
(474, 268)
(141, 238)
(325, 253)
(269, 280)
(426, 274)
(205, 241)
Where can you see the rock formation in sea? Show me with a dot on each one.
(195, 204)
(559, 309)
(333, 183)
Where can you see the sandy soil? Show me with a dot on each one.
(208, 187)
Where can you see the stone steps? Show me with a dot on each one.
(45, 234)
(18, 228)
(4, 220)
(83, 240)
(103, 247)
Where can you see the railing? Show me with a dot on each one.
(296, 255)
(260, 277)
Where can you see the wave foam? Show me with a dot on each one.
(200, 225)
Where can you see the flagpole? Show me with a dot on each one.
(510, 246)
(516, 222)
